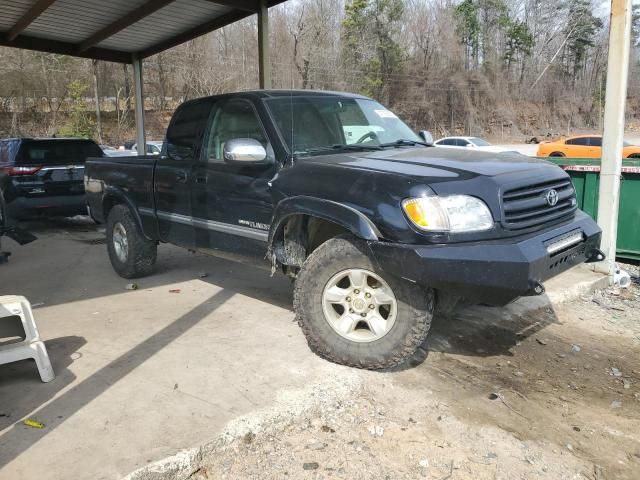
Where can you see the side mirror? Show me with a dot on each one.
(244, 150)
(426, 137)
(470, 145)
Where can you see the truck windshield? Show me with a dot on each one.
(320, 125)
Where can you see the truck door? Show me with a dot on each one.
(232, 203)
(174, 172)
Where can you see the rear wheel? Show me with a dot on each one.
(634, 155)
(132, 255)
(353, 314)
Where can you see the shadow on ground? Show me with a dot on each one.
(23, 376)
(479, 331)
(12, 443)
(75, 249)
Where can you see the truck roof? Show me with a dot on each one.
(38, 139)
(283, 93)
(303, 93)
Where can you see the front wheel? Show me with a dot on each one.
(132, 255)
(353, 314)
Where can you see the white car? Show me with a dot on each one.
(469, 142)
(119, 153)
(153, 148)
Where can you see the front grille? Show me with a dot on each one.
(527, 207)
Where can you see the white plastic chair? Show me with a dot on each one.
(31, 346)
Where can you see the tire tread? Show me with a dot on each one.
(420, 311)
(142, 251)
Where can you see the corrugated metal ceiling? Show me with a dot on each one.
(114, 29)
(175, 18)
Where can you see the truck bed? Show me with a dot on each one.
(108, 175)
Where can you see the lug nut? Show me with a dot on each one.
(368, 295)
(372, 306)
(348, 299)
(356, 291)
(351, 310)
(363, 314)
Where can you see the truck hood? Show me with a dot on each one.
(434, 162)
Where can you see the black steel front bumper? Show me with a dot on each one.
(493, 272)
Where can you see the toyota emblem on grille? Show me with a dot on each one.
(552, 197)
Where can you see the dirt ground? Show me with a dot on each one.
(550, 395)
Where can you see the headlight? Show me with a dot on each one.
(455, 213)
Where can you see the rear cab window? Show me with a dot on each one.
(185, 130)
(57, 152)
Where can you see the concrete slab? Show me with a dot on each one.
(143, 374)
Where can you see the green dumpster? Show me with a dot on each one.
(585, 174)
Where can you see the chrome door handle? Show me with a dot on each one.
(181, 176)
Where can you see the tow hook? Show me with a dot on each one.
(596, 255)
(536, 289)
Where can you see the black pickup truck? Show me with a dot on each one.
(375, 225)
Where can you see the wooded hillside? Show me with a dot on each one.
(484, 67)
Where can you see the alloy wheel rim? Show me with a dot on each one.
(359, 305)
(120, 242)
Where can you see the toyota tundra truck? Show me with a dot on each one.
(376, 227)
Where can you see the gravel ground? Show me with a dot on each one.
(554, 394)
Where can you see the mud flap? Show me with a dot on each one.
(19, 235)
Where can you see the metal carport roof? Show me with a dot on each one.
(126, 31)
(114, 30)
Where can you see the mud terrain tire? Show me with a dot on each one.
(414, 311)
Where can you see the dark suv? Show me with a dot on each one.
(46, 175)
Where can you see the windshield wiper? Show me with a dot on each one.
(403, 141)
(341, 146)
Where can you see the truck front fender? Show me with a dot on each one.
(343, 215)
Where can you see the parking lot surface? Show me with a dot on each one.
(143, 373)
(204, 355)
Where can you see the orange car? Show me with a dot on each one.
(582, 146)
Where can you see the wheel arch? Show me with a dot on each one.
(113, 197)
(301, 224)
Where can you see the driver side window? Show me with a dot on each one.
(229, 120)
